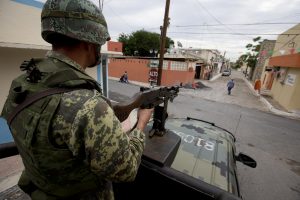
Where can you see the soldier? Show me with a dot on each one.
(71, 143)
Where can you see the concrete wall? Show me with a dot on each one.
(294, 104)
(138, 70)
(20, 24)
(170, 78)
(288, 95)
(292, 42)
(10, 61)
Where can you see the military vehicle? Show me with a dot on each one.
(184, 157)
(194, 159)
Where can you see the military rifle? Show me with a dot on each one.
(149, 98)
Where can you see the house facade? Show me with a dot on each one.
(209, 62)
(285, 67)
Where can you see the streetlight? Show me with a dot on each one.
(153, 52)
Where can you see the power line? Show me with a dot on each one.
(228, 28)
(286, 43)
(206, 10)
(246, 24)
(194, 33)
(125, 22)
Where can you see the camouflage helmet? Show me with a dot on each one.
(78, 19)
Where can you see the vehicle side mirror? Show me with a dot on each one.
(246, 160)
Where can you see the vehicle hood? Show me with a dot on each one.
(206, 152)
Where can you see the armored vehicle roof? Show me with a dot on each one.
(205, 152)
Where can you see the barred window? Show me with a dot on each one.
(179, 66)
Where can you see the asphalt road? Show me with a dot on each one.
(273, 141)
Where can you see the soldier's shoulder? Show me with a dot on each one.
(74, 100)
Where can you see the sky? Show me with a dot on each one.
(227, 26)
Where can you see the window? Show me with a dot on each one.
(179, 66)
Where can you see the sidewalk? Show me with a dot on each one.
(272, 105)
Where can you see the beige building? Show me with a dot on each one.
(20, 39)
(209, 62)
(285, 71)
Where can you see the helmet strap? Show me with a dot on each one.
(98, 54)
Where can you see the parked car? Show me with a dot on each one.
(226, 72)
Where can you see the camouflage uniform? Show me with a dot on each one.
(72, 145)
(112, 155)
(83, 125)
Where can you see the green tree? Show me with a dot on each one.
(124, 39)
(240, 61)
(141, 42)
(251, 57)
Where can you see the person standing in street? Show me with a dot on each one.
(257, 85)
(230, 85)
(71, 143)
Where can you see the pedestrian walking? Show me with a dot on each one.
(230, 85)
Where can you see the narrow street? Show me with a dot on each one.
(217, 91)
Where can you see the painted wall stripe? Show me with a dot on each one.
(33, 3)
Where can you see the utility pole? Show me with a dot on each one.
(163, 42)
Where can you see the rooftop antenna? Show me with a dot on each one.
(101, 4)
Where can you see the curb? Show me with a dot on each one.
(269, 105)
(132, 82)
(215, 77)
